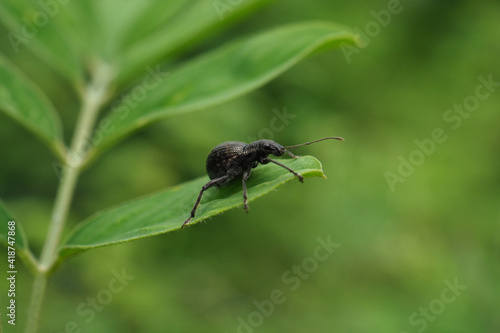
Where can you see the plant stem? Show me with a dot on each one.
(29, 260)
(94, 96)
(60, 211)
(34, 310)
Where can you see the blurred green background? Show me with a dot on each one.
(399, 243)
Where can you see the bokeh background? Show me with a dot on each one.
(398, 244)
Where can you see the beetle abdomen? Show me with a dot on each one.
(224, 157)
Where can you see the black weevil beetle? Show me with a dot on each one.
(231, 159)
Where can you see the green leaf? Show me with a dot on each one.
(166, 211)
(163, 28)
(221, 75)
(49, 31)
(21, 242)
(26, 103)
(128, 35)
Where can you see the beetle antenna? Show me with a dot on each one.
(308, 143)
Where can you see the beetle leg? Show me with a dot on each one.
(267, 160)
(244, 179)
(290, 153)
(213, 182)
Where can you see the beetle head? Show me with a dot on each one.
(270, 147)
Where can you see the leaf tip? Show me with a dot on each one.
(359, 41)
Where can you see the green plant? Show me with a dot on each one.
(119, 53)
